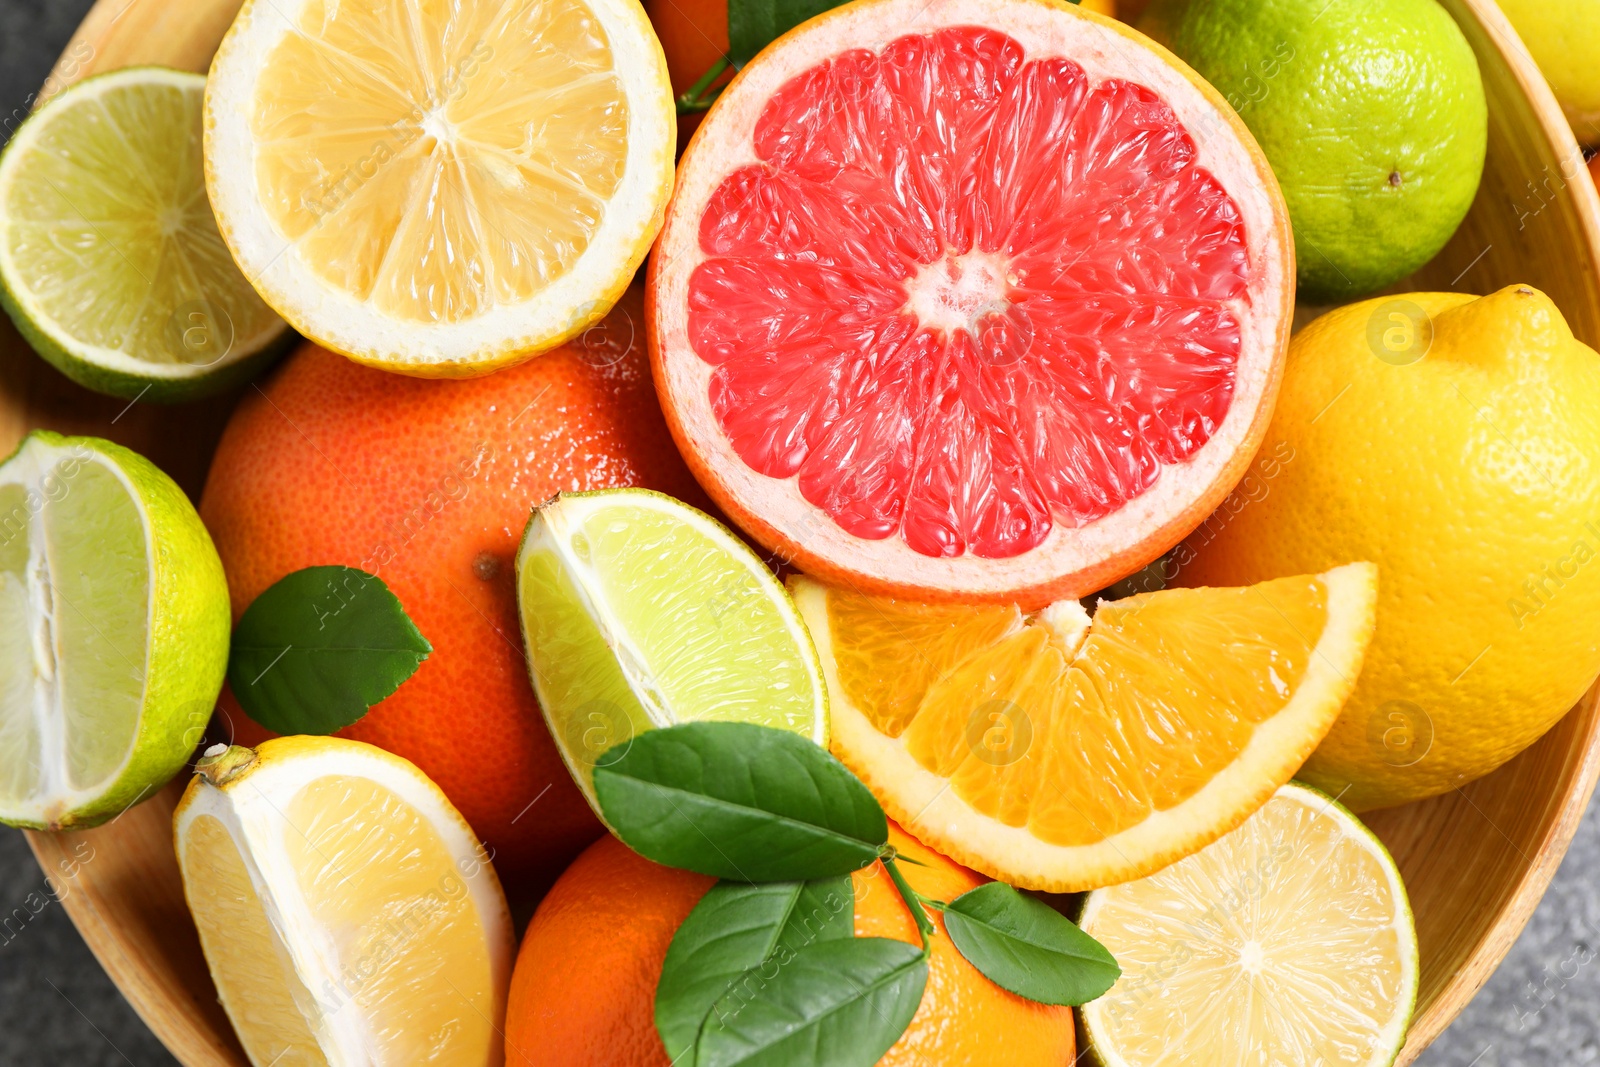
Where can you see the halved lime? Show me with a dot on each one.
(110, 260)
(639, 612)
(1289, 941)
(113, 630)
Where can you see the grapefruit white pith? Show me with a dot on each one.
(977, 299)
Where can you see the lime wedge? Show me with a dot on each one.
(113, 630)
(1289, 940)
(110, 260)
(641, 612)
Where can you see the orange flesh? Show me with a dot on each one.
(965, 295)
(1164, 693)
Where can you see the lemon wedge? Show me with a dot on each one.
(346, 911)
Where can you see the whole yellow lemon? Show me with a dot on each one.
(1454, 441)
(1564, 39)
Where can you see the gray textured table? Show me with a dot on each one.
(1542, 1009)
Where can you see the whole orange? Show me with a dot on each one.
(583, 993)
(428, 484)
(693, 33)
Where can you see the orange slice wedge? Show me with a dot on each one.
(1064, 753)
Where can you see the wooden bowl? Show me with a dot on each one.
(1475, 861)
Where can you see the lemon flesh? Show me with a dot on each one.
(1063, 753)
(383, 217)
(1289, 940)
(110, 259)
(440, 188)
(640, 612)
(346, 912)
(113, 630)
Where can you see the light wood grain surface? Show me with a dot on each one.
(1475, 861)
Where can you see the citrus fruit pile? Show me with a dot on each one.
(974, 317)
(428, 484)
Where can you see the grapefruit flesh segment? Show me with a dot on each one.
(964, 295)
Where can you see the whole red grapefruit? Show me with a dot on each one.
(428, 485)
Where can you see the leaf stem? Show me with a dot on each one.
(696, 99)
(913, 901)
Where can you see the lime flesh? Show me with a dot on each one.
(113, 630)
(1290, 940)
(110, 260)
(640, 612)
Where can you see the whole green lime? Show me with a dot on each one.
(1371, 112)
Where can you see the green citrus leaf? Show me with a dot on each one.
(754, 24)
(319, 647)
(739, 801)
(736, 938)
(1028, 948)
(842, 1003)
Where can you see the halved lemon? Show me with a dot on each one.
(1290, 940)
(346, 911)
(439, 189)
(1062, 753)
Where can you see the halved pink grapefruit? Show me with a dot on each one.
(970, 299)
